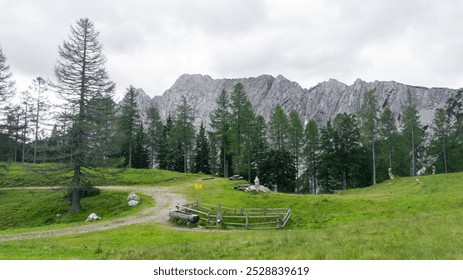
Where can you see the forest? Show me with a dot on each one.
(89, 131)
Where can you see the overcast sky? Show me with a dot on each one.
(149, 44)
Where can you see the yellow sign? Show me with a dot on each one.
(198, 186)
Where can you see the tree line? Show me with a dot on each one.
(91, 131)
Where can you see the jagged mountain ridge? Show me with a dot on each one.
(321, 102)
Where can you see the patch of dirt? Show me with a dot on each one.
(165, 197)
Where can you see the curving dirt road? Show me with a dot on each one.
(165, 198)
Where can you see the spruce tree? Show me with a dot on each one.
(441, 141)
(241, 120)
(202, 157)
(81, 75)
(278, 129)
(388, 132)
(413, 135)
(184, 132)
(219, 119)
(6, 92)
(311, 151)
(129, 124)
(369, 118)
(155, 136)
(296, 137)
(40, 108)
(6, 83)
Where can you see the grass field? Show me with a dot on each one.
(406, 218)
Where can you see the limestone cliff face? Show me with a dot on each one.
(321, 102)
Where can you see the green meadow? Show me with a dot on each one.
(405, 218)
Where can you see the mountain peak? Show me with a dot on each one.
(321, 102)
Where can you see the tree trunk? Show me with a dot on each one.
(75, 189)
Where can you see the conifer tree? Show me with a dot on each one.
(278, 129)
(296, 137)
(369, 118)
(129, 124)
(311, 151)
(241, 120)
(6, 92)
(413, 135)
(184, 132)
(220, 125)
(41, 107)
(388, 132)
(81, 76)
(6, 83)
(202, 157)
(440, 143)
(155, 135)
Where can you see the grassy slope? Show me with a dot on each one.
(400, 219)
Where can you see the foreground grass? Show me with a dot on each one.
(400, 219)
(37, 209)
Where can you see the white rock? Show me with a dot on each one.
(133, 196)
(132, 203)
(92, 217)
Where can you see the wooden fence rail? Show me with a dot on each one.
(248, 218)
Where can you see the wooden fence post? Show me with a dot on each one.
(219, 217)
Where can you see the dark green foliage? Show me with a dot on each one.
(154, 136)
(311, 155)
(278, 172)
(342, 159)
(296, 138)
(220, 135)
(278, 129)
(369, 120)
(140, 157)
(182, 137)
(129, 125)
(259, 146)
(202, 157)
(414, 135)
(241, 120)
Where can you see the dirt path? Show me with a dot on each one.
(165, 198)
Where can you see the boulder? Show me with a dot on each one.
(132, 203)
(251, 188)
(133, 199)
(263, 189)
(133, 196)
(92, 217)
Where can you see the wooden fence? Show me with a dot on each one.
(247, 218)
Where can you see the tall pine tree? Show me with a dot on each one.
(81, 75)
(202, 157)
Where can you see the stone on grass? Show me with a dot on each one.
(92, 217)
(132, 203)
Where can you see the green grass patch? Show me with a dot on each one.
(23, 175)
(31, 208)
(405, 218)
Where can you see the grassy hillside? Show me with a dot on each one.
(21, 175)
(404, 218)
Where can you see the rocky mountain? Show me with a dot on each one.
(321, 102)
